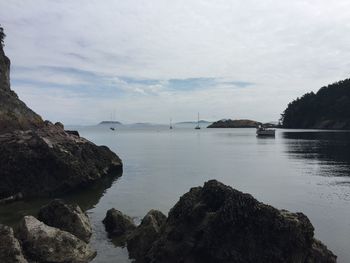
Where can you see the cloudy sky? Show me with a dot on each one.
(148, 60)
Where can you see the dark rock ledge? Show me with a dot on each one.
(216, 223)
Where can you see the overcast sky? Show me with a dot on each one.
(148, 60)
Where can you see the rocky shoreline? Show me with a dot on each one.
(216, 223)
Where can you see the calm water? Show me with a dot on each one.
(298, 171)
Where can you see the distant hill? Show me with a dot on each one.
(234, 124)
(329, 108)
(109, 122)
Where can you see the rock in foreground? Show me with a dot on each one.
(10, 249)
(67, 217)
(118, 224)
(150, 229)
(216, 223)
(43, 243)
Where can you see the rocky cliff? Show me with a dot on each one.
(14, 114)
(39, 158)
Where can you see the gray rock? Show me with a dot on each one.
(118, 224)
(216, 223)
(141, 240)
(67, 217)
(10, 249)
(43, 243)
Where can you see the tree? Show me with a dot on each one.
(2, 36)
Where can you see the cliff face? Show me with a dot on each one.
(14, 114)
(39, 158)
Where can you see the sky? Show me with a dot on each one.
(81, 61)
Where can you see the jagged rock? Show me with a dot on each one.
(10, 249)
(43, 243)
(140, 240)
(118, 224)
(216, 223)
(66, 217)
(38, 158)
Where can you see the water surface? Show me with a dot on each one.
(307, 171)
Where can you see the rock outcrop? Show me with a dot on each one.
(14, 114)
(10, 249)
(118, 224)
(39, 158)
(43, 243)
(216, 223)
(67, 217)
(234, 124)
(140, 241)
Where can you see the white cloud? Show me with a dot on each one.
(285, 48)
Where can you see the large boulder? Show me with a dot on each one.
(10, 249)
(49, 161)
(67, 217)
(39, 158)
(43, 243)
(216, 223)
(141, 240)
(117, 224)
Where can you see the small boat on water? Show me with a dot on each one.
(171, 125)
(265, 132)
(198, 127)
(112, 128)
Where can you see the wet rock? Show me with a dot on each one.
(216, 223)
(141, 240)
(118, 224)
(43, 243)
(10, 249)
(67, 217)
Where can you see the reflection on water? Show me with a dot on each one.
(87, 198)
(329, 150)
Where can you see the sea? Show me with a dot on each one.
(299, 170)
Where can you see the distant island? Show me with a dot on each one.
(329, 108)
(234, 124)
(109, 123)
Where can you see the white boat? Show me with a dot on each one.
(261, 131)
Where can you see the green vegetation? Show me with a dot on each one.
(2, 36)
(329, 108)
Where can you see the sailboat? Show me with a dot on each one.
(112, 121)
(198, 127)
(171, 126)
